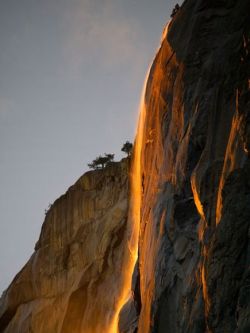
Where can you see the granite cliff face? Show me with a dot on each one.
(193, 147)
(194, 250)
(70, 282)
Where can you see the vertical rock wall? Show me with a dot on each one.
(194, 244)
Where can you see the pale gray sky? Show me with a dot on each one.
(71, 73)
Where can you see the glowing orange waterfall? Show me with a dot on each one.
(131, 254)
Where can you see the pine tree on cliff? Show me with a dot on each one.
(175, 10)
(127, 148)
(110, 157)
(101, 162)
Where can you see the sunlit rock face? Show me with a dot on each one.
(70, 283)
(194, 250)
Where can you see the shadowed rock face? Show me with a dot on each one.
(71, 281)
(194, 248)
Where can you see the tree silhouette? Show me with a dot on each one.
(110, 157)
(101, 162)
(175, 10)
(127, 148)
(93, 165)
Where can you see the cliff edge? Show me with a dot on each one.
(71, 280)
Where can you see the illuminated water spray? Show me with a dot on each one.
(134, 219)
(131, 254)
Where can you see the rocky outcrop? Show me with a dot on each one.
(70, 282)
(194, 241)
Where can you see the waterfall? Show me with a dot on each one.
(134, 218)
(133, 227)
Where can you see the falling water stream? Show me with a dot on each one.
(131, 255)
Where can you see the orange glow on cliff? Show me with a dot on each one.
(197, 200)
(230, 157)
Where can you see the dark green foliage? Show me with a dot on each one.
(127, 148)
(101, 161)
